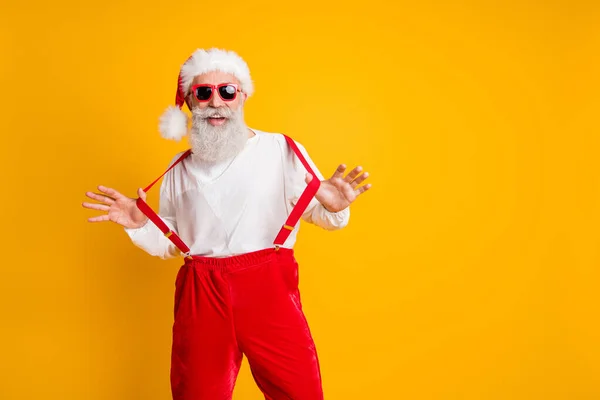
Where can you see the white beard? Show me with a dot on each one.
(217, 143)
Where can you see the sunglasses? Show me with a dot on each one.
(204, 92)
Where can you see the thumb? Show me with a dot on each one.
(308, 178)
(141, 194)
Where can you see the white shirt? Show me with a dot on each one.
(235, 206)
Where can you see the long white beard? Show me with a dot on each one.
(217, 143)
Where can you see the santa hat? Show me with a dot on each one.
(174, 122)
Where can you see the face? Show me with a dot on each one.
(216, 102)
(218, 129)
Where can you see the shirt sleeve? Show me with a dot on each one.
(151, 239)
(295, 183)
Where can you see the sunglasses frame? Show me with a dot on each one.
(215, 88)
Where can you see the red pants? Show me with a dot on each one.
(246, 304)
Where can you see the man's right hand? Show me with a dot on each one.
(119, 208)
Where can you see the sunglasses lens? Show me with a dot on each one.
(227, 92)
(203, 93)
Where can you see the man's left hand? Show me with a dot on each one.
(338, 192)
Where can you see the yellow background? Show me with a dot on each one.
(471, 269)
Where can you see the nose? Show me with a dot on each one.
(216, 101)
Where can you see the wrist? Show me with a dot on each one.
(141, 224)
(329, 210)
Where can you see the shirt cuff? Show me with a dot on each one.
(333, 220)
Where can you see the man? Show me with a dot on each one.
(235, 199)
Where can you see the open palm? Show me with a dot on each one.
(338, 192)
(118, 207)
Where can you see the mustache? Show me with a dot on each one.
(211, 112)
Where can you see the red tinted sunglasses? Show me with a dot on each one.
(204, 92)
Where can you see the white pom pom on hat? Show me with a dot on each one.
(174, 122)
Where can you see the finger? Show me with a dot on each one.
(308, 178)
(95, 206)
(111, 192)
(353, 174)
(339, 172)
(101, 198)
(362, 189)
(141, 194)
(359, 180)
(99, 218)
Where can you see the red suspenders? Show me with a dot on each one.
(145, 208)
(285, 230)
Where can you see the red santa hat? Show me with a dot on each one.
(174, 122)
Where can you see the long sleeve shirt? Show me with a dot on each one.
(235, 206)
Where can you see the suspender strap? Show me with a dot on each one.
(152, 216)
(145, 208)
(303, 201)
(180, 159)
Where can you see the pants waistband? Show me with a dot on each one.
(241, 260)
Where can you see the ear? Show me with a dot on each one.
(243, 98)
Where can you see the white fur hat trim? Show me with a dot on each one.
(173, 123)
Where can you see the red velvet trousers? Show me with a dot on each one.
(246, 304)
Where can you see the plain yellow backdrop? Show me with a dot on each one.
(470, 271)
